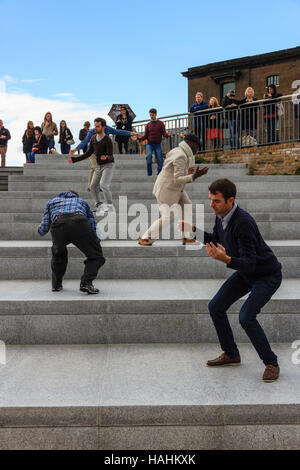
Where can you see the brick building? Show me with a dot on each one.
(280, 67)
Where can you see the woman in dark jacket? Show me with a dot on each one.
(249, 110)
(39, 146)
(65, 135)
(271, 113)
(28, 139)
(124, 121)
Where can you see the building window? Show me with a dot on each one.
(226, 87)
(272, 80)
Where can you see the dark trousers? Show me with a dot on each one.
(260, 293)
(121, 143)
(76, 230)
(200, 132)
(272, 133)
(65, 148)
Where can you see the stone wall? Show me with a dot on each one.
(265, 160)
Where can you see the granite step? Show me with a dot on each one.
(284, 227)
(139, 185)
(105, 397)
(35, 201)
(133, 311)
(127, 260)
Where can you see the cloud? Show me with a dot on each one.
(66, 94)
(18, 108)
(33, 80)
(9, 79)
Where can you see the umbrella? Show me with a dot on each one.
(115, 110)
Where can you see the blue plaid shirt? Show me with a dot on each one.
(65, 203)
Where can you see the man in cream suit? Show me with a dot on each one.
(178, 170)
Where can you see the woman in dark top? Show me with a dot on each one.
(124, 121)
(64, 136)
(28, 139)
(271, 113)
(39, 146)
(249, 110)
(214, 124)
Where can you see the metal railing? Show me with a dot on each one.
(256, 123)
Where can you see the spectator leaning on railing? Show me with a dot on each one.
(271, 113)
(200, 119)
(232, 116)
(248, 113)
(214, 124)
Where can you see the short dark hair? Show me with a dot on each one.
(74, 192)
(103, 122)
(153, 110)
(192, 138)
(224, 186)
(37, 128)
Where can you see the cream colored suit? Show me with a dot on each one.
(169, 187)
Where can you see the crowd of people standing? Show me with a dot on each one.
(240, 116)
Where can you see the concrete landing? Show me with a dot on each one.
(133, 311)
(147, 396)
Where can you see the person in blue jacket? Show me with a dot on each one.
(200, 119)
(108, 130)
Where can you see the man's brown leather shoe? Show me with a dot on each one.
(145, 242)
(224, 360)
(271, 373)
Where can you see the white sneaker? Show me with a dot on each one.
(100, 210)
(109, 208)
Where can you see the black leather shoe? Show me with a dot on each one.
(89, 288)
(57, 288)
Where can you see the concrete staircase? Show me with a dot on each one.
(126, 369)
(5, 172)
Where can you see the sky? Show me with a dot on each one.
(77, 58)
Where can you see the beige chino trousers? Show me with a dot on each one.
(167, 216)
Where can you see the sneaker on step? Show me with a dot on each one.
(100, 210)
(89, 288)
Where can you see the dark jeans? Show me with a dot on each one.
(235, 134)
(272, 133)
(31, 157)
(65, 148)
(260, 293)
(76, 230)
